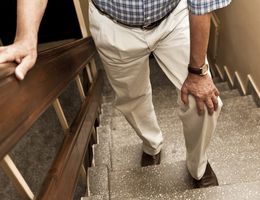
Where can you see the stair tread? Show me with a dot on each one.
(224, 152)
(96, 197)
(150, 180)
(241, 102)
(231, 140)
(231, 102)
(229, 124)
(229, 94)
(169, 96)
(163, 179)
(245, 172)
(217, 79)
(227, 192)
(222, 86)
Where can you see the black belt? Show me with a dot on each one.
(143, 27)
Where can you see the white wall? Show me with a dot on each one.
(239, 45)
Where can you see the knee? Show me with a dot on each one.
(192, 106)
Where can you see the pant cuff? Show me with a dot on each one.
(152, 151)
(197, 170)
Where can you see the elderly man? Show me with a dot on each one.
(126, 32)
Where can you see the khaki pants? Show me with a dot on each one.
(125, 54)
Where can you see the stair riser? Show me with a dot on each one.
(98, 179)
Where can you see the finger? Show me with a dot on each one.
(210, 106)
(184, 95)
(22, 69)
(215, 102)
(5, 57)
(200, 106)
(216, 92)
(18, 60)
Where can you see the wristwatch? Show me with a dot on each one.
(202, 71)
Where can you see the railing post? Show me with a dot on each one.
(82, 22)
(15, 176)
(90, 77)
(80, 88)
(93, 67)
(60, 114)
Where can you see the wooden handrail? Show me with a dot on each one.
(22, 102)
(6, 69)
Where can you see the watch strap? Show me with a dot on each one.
(203, 70)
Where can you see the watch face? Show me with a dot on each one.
(204, 69)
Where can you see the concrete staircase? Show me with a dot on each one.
(234, 151)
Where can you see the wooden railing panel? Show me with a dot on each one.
(61, 180)
(22, 102)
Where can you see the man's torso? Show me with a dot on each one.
(136, 12)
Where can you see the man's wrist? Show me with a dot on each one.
(201, 70)
(28, 42)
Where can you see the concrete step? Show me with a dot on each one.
(104, 135)
(147, 181)
(127, 147)
(217, 79)
(95, 197)
(98, 181)
(222, 86)
(239, 103)
(221, 150)
(102, 155)
(105, 120)
(107, 109)
(168, 90)
(229, 94)
(231, 99)
(170, 180)
(170, 94)
(169, 103)
(234, 114)
(122, 134)
(238, 122)
(101, 150)
(108, 98)
(234, 104)
(240, 191)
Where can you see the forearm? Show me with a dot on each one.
(29, 15)
(24, 49)
(199, 36)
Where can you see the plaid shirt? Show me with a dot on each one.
(144, 12)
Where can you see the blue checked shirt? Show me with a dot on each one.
(144, 12)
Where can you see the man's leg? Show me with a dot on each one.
(172, 54)
(125, 56)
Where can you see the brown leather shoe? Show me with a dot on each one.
(150, 160)
(209, 179)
